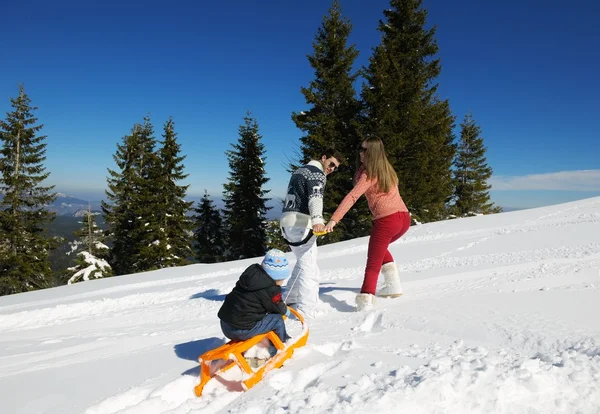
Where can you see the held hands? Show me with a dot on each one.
(318, 228)
(329, 227)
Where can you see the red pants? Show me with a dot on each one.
(385, 231)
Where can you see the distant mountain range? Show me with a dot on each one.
(65, 205)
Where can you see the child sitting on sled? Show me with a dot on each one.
(255, 306)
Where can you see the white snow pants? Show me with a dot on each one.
(302, 288)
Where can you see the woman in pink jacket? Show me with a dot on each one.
(377, 179)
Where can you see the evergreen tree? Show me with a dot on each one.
(166, 240)
(89, 236)
(472, 172)
(147, 231)
(24, 245)
(131, 196)
(208, 235)
(403, 109)
(244, 196)
(332, 119)
(90, 261)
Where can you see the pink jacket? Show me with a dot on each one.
(381, 204)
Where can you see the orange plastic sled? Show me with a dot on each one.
(232, 352)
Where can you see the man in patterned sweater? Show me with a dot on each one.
(303, 215)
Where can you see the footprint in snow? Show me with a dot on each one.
(332, 348)
(373, 322)
(299, 381)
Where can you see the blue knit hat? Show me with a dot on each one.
(276, 265)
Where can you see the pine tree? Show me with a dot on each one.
(118, 211)
(403, 109)
(166, 241)
(90, 261)
(472, 172)
(177, 224)
(208, 235)
(25, 246)
(332, 119)
(244, 196)
(89, 236)
(147, 232)
(130, 194)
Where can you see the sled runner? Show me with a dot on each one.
(232, 353)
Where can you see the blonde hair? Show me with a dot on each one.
(377, 165)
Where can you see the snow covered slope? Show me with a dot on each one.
(500, 314)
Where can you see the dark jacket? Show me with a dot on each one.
(254, 295)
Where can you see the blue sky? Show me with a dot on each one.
(526, 69)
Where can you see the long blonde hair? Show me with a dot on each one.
(378, 166)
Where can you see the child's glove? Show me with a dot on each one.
(288, 313)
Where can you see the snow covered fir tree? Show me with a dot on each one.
(170, 228)
(333, 118)
(125, 186)
(244, 195)
(471, 173)
(90, 250)
(403, 109)
(25, 245)
(146, 211)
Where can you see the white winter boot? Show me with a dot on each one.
(392, 287)
(364, 301)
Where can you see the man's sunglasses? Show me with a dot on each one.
(333, 166)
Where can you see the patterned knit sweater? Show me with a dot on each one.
(303, 206)
(381, 204)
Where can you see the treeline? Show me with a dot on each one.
(151, 226)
